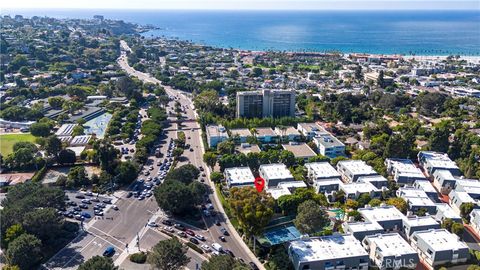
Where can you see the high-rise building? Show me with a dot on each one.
(266, 103)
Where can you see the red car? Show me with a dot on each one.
(189, 232)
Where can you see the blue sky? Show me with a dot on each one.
(247, 4)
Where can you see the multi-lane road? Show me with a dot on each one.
(127, 227)
(192, 130)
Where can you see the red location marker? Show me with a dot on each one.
(259, 183)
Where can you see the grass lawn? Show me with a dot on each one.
(8, 140)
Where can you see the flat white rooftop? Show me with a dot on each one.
(321, 170)
(404, 168)
(462, 196)
(411, 192)
(363, 226)
(299, 150)
(440, 239)
(438, 160)
(372, 179)
(447, 211)
(358, 187)
(327, 248)
(425, 185)
(277, 192)
(216, 131)
(261, 132)
(391, 244)
(239, 176)
(311, 127)
(381, 213)
(357, 167)
(242, 132)
(417, 221)
(275, 171)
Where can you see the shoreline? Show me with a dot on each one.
(424, 57)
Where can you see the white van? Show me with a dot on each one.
(217, 247)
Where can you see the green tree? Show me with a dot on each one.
(198, 191)
(278, 259)
(185, 174)
(40, 129)
(458, 229)
(56, 102)
(168, 254)
(226, 147)
(311, 218)
(399, 203)
(98, 263)
(253, 209)
(53, 145)
(126, 172)
(466, 209)
(25, 251)
(66, 156)
(174, 196)
(438, 140)
(210, 158)
(44, 223)
(106, 154)
(13, 232)
(78, 130)
(447, 224)
(25, 145)
(374, 202)
(77, 176)
(216, 177)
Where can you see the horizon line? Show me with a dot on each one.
(241, 9)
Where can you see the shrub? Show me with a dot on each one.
(139, 257)
(194, 247)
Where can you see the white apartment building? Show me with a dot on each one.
(274, 174)
(239, 177)
(404, 172)
(328, 252)
(351, 170)
(215, 135)
(390, 251)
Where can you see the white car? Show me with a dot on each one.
(206, 248)
(152, 224)
(114, 207)
(200, 237)
(168, 229)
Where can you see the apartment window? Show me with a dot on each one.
(306, 266)
(429, 252)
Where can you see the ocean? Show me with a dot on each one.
(381, 32)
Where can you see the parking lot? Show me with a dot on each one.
(84, 206)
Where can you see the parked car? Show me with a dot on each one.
(194, 240)
(129, 194)
(167, 222)
(182, 234)
(200, 237)
(168, 229)
(179, 226)
(189, 232)
(206, 248)
(114, 207)
(222, 238)
(79, 196)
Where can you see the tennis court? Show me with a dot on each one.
(98, 125)
(282, 234)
